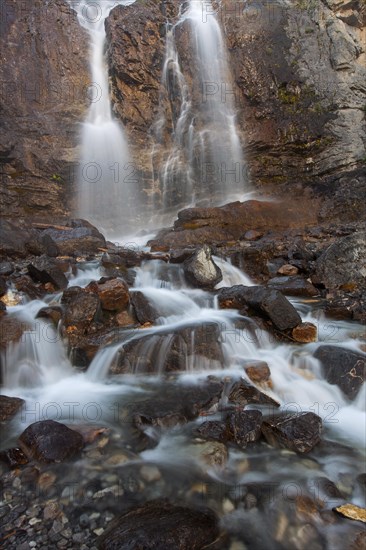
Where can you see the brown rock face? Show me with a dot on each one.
(9, 406)
(305, 333)
(113, 294)
(44, 78)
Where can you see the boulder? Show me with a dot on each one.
(158, 525)
(82, 307)
(200, 270)
(3, 286)
(344, 263)
(76, 238)
(293, 286)
(343, 367)
(113, 294)
(299, 432)
(11, 330)
(9, 406)
(49, 441)
(242, 393)
(212, 429)
(144, 311)
(270, 304)
(243, 427)
(53, 313)
(45, 271)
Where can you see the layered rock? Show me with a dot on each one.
(45, 78)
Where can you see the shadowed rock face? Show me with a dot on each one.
(44, 78)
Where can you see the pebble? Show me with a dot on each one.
(227, 506)
(150, 473)
(99, 531)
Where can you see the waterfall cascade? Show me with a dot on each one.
(106, 188)
(202, 158)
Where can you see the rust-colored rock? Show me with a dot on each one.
(113, 295)
(258, 372)
(305, 333)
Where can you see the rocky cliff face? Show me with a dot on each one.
(44, 93)
(299, 85)
(298, 76)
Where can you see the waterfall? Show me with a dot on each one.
(204, 158)
(105, 187)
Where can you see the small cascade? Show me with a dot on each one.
(198, 149)
(106, 190)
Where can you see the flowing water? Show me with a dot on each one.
(106, 189)
(198, 152)
(38, 370)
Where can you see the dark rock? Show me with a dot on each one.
(45, 271)
(144, 311)
(53, 313)
(343, 367)
(269, 303)
(344, 263)
(176, 405)
(77, 237)
(13, 457)
(253, 235)
(13, 239)
(243, 393)
(212, 429)
(293, 286)
(3, 286)
(82, 307)
(11, 330)
(299, 432)
(26, 285)
(9, 406)
(49, 441)
(200, 270)
(6, 268)
(170, 352)
(243, 427)
(2, 308)
(159, 525)
(180, 255)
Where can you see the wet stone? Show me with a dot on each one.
(49, 441)
(298, 432)
(159, 524)
(343, 367)
(9, 406)
(244, 427)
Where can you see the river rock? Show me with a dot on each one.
(305, 333)
(82, 307)
(243, 393)
(144, 311)
(271, 304)
(11, 330)
(161, 525)
(9, 406)
(45, 271)
(293, 286)
(288, 269)
(213, 453)
(53, 313)
(212, 429)
(3, 286)
(76, 238)
(344, 262)
(258, 371)
(351, 511)
(299, 432)
(49, 441)
(113, 294)
(243, 427)
(200, 270)
(13, 457)
(344, 367)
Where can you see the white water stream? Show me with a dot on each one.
(105, 187)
